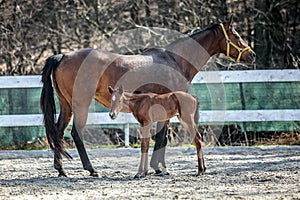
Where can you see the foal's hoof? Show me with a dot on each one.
(139, 176)
(94, 174)
(200, 173)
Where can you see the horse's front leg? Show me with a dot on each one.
(143, 167)
(62, 123)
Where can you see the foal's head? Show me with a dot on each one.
(233, 46)
(117, 101)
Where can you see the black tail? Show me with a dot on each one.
(47, 104)
(196, 116)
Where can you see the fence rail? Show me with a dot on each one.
(210, 116)
(217, 116)
(250, 76)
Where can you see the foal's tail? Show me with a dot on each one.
(47, 104)
(196, 115)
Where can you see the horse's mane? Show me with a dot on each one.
(215, 28)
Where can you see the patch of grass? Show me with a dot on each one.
(102, 146)
(34, 148)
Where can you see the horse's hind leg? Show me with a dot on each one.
(63, 121)
(77, 132)
(158, 155)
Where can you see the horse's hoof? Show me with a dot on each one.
(166, 172)
(62, 174)
(94, 174)
(162, 173)
(199, 174)
(139, 176)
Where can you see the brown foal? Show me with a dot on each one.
(150, 107)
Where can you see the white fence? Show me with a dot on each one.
(205, 116)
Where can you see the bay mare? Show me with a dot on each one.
(82, 75)
(151, 107)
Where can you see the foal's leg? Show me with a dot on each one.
(143, 168)
(63, 121)
(188, 122)
(77, 133)
(158, 155)
(201, 163)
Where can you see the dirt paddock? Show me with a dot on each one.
(268, 172)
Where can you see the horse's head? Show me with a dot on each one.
(233, 46)
(117, 101)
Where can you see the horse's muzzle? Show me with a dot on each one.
(251, 57)
(112, 115)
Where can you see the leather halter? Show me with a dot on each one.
(229, 43)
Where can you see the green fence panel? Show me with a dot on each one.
(20, 101)
(272, 95)
(218, 96)
(271, 126)
(10, 136)
(227, 96)
(256, 96)
(97, 107)
(4, 101)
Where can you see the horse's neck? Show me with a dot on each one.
(191, 53)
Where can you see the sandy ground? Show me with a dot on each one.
(271, 172)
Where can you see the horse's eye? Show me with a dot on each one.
(236, 35)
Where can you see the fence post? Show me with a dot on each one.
(126, 135)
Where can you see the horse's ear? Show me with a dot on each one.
(229, 23)
(110, 89)
(121, 89)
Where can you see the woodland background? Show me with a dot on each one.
(32, 30)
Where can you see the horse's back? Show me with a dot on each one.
(75, 59)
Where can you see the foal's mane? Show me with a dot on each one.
(134, 96)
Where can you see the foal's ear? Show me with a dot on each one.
(121, 89)
(229, 23)
(110, 89)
